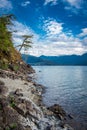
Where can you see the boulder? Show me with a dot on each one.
(1, 83)
(18, 92)
(3, 89)
(58, 111)
(70, 116)
(3, 75)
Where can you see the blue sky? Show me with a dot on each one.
(59, 26)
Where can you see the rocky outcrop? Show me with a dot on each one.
(58, 111)
(21, 106)
(16, 75)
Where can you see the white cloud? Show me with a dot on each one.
(58, 48)
(52, 2)
(69, 4)
(56, 41)
(72, 9)
(84, 32)
(24, 4)
(5, 5)
(75, 3)
(52, 27)
(19, 30)
(84, 41)
(75, 6)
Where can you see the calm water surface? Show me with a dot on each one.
(67, 86)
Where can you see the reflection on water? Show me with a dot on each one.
(67, 86)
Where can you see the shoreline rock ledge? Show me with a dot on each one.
(21, 106)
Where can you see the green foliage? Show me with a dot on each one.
(26, 42)
(6, 44)
(13, 125)
(4, 66)
(8, 53)
(7, 128)
(7, 50)
(5, 35)
(12, 101)
(16, 67)
(12, 104)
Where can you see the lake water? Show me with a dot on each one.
(67, 86)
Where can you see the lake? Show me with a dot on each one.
(67, 86)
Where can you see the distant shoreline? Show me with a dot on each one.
(67, 60)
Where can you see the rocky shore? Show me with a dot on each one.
(21, 106)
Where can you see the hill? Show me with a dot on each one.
(56, 60)
(10, 58)
(8, 53)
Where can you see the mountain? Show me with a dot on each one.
(56, 60)
(32, 60)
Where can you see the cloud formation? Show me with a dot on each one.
(75, 3)
(52, 27)
(52, 2)
(70, 3)
(26, 3)
(84, 32)
(19, 29)
(5, 5)
(56, 41)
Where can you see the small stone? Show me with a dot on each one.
(62, 124)
(1, 83)
(18, 92)
(48, 128)
(25, 83)
(56, 109)
(3, 89)
(70, 116)
(1, 128)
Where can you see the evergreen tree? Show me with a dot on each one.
(26, 44)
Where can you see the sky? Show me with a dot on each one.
(59, 27)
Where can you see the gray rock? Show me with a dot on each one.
(18, 92)
(57, 110)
